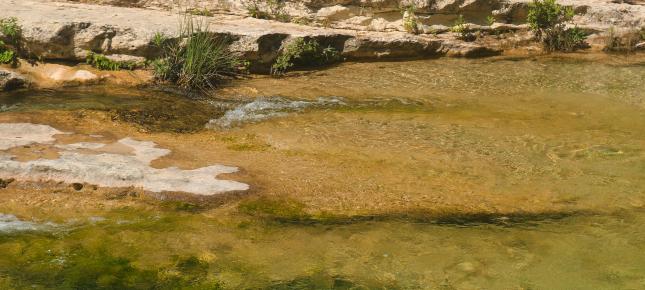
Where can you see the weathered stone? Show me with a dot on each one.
(10, 80)
(334, 13)
(67, 31)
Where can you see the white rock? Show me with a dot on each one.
(127, 165)
(334, 13)
(21, 134)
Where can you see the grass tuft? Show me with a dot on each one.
(199, 61)
(304, 53)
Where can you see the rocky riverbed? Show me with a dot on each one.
(519, 170)
(447, 173)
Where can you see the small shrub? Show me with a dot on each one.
(10, 28)
(490, 20)
(563, 39)
(547, 19)
(301, 53)
(159, 40)
(102, 62)
(7, 55)
(254, 10)
(410, 19)
(12, 34)
(461, 27)
(622, 43)
(161, 68)
(277, 11)
(271, 9)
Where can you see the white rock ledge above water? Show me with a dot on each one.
(123, 163)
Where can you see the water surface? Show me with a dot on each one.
(437, 174)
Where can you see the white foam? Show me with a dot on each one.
(264, 108)
(110, 169)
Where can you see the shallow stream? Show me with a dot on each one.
(434, 174)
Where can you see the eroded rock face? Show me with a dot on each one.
(357, 29)
(123, 163)
(69, 31)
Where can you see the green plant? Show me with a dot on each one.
(254, 10)
(200, 12)
(547, 19)
(563, 39)
(10, 28)
(159, 39)
(12, 34)
(410, 19)
(301, 53)
(461, 27)
(490, 20)
(161, 68)
(102, 62)
(199, 62)
(271, 9)
(7, 57)
(625, 42)
(6, 54)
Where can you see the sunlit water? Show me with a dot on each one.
(439, 174)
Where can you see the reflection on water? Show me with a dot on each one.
(439, 174)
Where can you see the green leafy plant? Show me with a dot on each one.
(102, 62)
(10, 27)
(159, 39)
(161, 68)
(7, 55)
(200, 61)
(547, 19)
(461, 27)
(11, 44)
(303, 53)
(490, 20)
(410, 19)
(270, 9)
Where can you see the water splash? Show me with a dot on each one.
(265, 108)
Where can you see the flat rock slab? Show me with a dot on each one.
(123, 163)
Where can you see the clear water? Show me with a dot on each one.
(438, 174)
